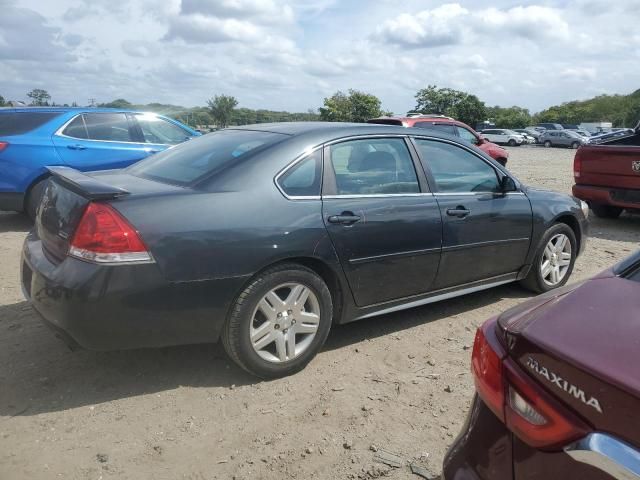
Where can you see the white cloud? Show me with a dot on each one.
(533, 22)
(579, 73)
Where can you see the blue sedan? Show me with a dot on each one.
(86, 139)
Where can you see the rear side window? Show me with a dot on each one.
(457, 170)
(205, 156)
(16, 123)
(108, 127)
(440, 127)
(373, 166)
(303, 179)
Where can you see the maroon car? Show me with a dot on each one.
(450, 126)
(558, 387)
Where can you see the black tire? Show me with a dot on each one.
(606, 211)
(502, 161)
(534, 281)
(547, 144)
(33, 198)
(575, 145)
(512, 143)
(235, 334)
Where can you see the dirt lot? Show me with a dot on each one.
(400, 383)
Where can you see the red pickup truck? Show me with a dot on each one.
(607, 176)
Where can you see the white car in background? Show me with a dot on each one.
(503, 137)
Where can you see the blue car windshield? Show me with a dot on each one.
(203, 157)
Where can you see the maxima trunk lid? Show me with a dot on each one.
(67, 195)
(583, 347)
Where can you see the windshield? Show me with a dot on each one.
(202, 157)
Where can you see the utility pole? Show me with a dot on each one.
(92, 102)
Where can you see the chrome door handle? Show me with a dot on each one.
(343, 219)
(459, 212)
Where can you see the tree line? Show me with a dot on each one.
(358, 106)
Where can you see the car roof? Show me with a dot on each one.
(67, 109)
(339, 129)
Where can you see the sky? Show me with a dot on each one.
(291, 54)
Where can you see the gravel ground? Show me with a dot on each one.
(398, 383)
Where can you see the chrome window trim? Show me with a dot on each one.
(308, 151)
(454, 194)
(58, 133)
(608, 454)
(377, 195)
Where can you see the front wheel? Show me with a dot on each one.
(512, 143)
(554, 260)
(279, 322)
(575, 145)
(547, 144)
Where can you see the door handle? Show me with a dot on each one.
(149, 150)
(345, 218)
(459, 212)
(76, 147)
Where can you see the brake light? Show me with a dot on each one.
(527, 410)
(104, 236)
(577, 164)
(3, 145)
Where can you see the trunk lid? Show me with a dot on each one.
(582, 346)
(67, 194)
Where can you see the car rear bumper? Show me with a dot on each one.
(617, 197)
(101, 307)
(482, 451)
(12, 201)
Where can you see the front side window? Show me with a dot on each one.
(107, 127)
(303, 179)
(456, 170)
(466, 135)
(157, 130)
(373, 166)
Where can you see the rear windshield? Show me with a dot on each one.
(202, 157)
(16, 123)
(385, 121)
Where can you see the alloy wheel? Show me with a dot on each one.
(556, 259)
(285, 322)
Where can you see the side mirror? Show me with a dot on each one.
(507, 184)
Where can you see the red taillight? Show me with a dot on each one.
(3, 145)
(529, 412)
(104, 236)
(577, 164)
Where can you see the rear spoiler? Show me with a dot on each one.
(85, 185)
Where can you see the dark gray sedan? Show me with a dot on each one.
(265, 236)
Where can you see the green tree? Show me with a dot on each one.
(446, 101)
(117, 103)
(511, 117)
(357, 106)
(39, 97)
(3, 103)
(221, 109)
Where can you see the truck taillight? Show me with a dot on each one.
(527, 410)
(577, 164)
(3, 145)
(104, 236)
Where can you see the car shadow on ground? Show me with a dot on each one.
(626, 228)
(39, 374)
(14, 222)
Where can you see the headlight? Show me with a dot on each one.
(585, 208)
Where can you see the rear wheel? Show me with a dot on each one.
(606, 211)
(279, 322)
(33, 198)
(547, 143)
(554, 260)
